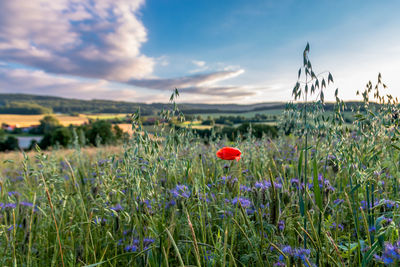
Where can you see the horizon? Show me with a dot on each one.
(226, 52)
(187, 103)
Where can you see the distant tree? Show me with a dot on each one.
(119, 133)
(100, 132)
(47, 124)
(17, 107)
(8, 144)
(258, 130)
(208, 122)
(61, 136)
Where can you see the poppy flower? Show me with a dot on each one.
(229, 153)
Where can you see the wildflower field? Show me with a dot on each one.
(324, 193)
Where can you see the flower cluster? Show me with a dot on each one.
(390, 255)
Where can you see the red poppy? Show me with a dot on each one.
(229, 153)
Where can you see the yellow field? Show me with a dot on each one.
(196, 125)
(28, 120)
(104, 116)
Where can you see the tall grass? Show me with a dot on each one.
(326, 195)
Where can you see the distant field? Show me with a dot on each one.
(245, 114)
(28, 120)
(104, 116)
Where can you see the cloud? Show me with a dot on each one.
(97, 39)
(39, 82)
(93, 40)
(227, 91)
(199, 63)
(197, 80)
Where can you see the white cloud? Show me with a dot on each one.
(29, 81)
(97, 39)
(199, 63)
(198, 81)
(93, 40)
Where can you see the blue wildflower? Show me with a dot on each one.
(244, 202)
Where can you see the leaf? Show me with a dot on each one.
(330, 78)
(368, 255)
(300, 163)
(354, 189)
(301, 205)
(317, 192)
(296, 87)
(298, 76)
(322, 97)
(323, 84)
(395, 146)
(352, 247)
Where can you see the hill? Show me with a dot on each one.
(66, 105)
(38, 104)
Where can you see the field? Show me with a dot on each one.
(171, 202)
(250, 114)
(65, 120)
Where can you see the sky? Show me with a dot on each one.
(225, 51)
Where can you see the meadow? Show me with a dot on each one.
(321, 194)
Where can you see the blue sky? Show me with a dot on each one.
(234, 51)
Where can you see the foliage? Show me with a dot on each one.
(18, 107)
(47, 125)
(8, 143)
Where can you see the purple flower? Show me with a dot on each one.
(10, 206)
(245, 188)
(27, 204)
(244, 202)
(338, 201)
(131, 248)
(287, 250)
(229, 180)
(387, 260)
(180, 191)
(117, 207)
(14, 193)
(339, 226)
(147, 242)
(98, 221)
(281, 225)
